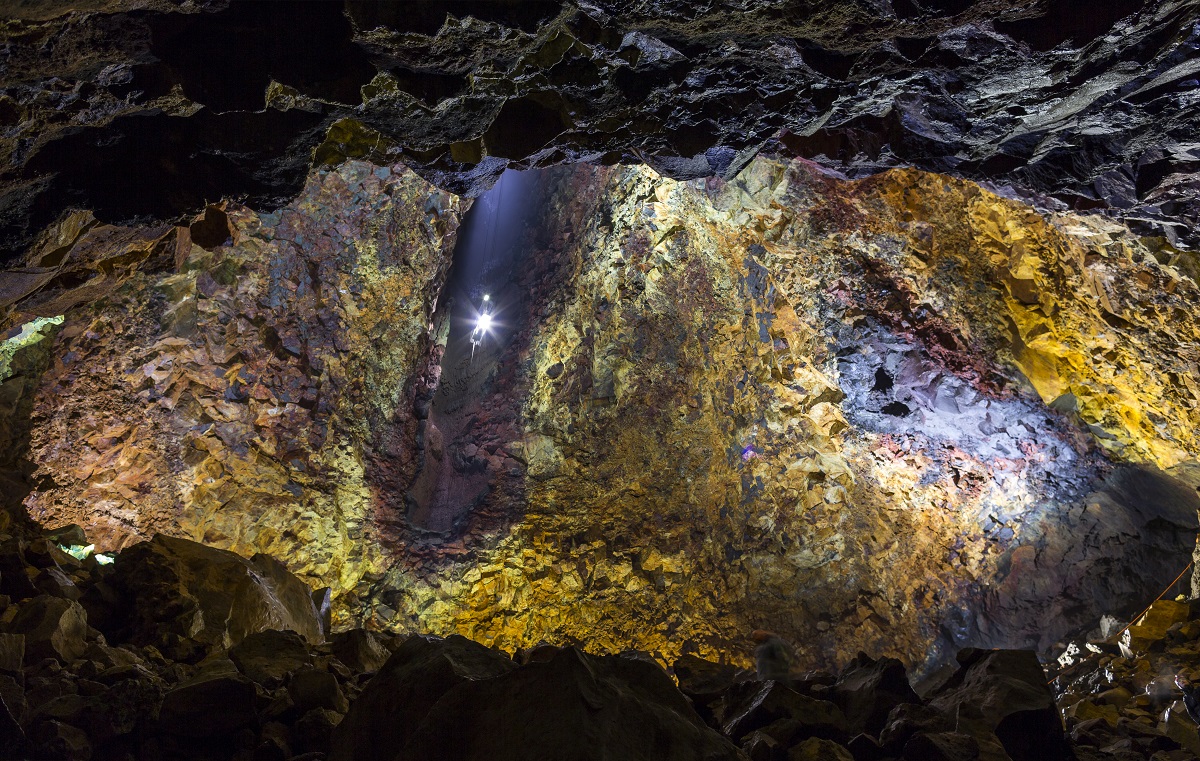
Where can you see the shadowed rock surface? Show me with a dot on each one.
(751, 366)
(277, 695)
(150, 112)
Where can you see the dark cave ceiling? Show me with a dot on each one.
(146, 110)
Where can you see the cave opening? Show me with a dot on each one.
(477, 317)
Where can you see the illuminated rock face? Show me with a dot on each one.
(791, 402)
(243, 400)
(900, 415)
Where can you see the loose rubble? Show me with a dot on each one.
(260, 682)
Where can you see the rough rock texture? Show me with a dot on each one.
(900, 415)
(188, 591)
(24, 356)
(799, 402)
(1119, 695)
(237, 381)
(1096, 107)
(277, 696)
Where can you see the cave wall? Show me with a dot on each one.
(711, 448)
(239, 392)
(901, 414)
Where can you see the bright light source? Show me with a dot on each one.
(486, 297)
(77, 551)
(484, 323)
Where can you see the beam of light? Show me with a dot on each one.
(484, 323)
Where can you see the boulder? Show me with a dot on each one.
(361, 650)
(12, 738)
(53, 582)
(311, 688)
(71, 535)
(1002, 695)
(391, 707)
(576, 706)
(175, 588)
(866, 748)
(704, 682)
(757, 704)
(869, 689)
(267, 657)
(208, 706)
(56, 740)
(16, 575)
(13, 694)
(315, 729)
(760, 746)
(53, 628)
(1154, 624)
(121, 708)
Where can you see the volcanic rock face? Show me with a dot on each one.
(900, 415)
(1095, 106)
(238, 386)
(793, 401)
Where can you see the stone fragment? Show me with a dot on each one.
(53, 628)
(12, 653)
(866, 748)
(867, 690)
(1154, 624)
(123, 707)
(274, 743)
(312, 688)
(266, 657)
(56, 740)
(1177, 725)
(52, 581)
(16, 575)
(1086, 709)
(12, 737)
(760, 746)
(12, 692)
(71, 535)
(314, 732)
(703, 682)
(941, 746)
